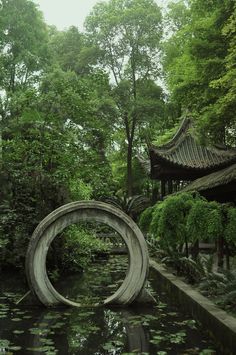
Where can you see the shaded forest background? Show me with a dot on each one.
(77, 107)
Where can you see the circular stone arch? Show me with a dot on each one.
(75, 212)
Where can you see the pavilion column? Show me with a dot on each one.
(220, 252)
(163, 188)
(170, 186)
(155, 193)
(195, 250)
(227, 254)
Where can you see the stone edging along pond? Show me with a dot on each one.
(220, 324)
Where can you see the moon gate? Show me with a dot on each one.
(75, 212)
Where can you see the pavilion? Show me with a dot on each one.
(184, 159)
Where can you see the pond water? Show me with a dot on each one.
(158, 329)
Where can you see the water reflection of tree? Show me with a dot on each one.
(89, 331)
(100, 281)
(109, 328)
(93, 330)
(103, 327)
(138, 338)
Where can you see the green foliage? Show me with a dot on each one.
(82, 107)
(55, 135)
(40, 177)
(220, 287)
(171, 222)
(198, 63)
(146, 218)
(132, 206)
(197, 220)
(23, 43)
(205, 221)
(192, 269)
(190, 217)
(156, 215)
(79, 248)
(67, 133)
(230, 231)
(128, 34)
(178, 15)
(69, 50)
(176, 338)
(215, 227)
(125, 27)
(6, 215)
(186, 218)
(79, 190)
(166, 136)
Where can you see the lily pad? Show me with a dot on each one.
(38, 331)
(18, 331)
(27, 317)
(15, 348)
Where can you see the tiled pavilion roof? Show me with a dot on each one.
(219, 186)
(218, 178)
(184, 154)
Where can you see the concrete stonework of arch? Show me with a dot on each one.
(134, 282)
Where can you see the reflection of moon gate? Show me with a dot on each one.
(76, 212)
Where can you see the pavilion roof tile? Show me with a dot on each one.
(185, 151)
(218, 178)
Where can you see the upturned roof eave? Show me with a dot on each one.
(171, 152)
(174, 164)
(182, 131)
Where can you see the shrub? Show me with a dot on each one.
(222, 288)
(157, 212)
(204, 221)
(146, 218)
(169, 221)
(230, 231)
(76, 249)
(132, 206)
(215, 226)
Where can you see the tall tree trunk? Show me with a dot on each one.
(195, 250)
(129, 169)
(130, 131)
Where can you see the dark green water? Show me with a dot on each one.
(158, 329)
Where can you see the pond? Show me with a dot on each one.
(154, 329)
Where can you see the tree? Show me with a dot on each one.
(72, 56)
(195, 59)
(58, 121)
(23, 42)
(23, 53)
(71, 51)
(51, 156)
(128, 34)
(225, 106)
(83, 106)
